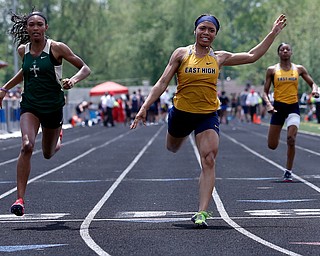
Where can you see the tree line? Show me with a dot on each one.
(130, 41)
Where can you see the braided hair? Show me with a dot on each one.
(19, 29)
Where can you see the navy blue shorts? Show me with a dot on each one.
(48, 120)
(181, 123)
(283, 111)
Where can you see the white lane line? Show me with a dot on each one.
(253, 216)
(285, 212)
(224, 215)
(34, 216)
(150, 214)
(17, 248)
(271, 162)
(285, 143)
(40, 150)
(84, 229)
(9, 192)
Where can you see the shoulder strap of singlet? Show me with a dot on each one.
(27, 48)
(293, 66)
(47, 46)
(211, 53)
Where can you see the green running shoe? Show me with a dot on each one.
(200, 219)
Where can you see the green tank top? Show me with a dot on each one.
(42, 82)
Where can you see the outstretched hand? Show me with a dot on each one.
(141, 116)
(270, 109)
(279, 24)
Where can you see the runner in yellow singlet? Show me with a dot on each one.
(285, 78)
(196, 102)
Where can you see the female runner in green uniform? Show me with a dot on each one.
(195, 103)
(42, 98)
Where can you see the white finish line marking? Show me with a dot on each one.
(16, 248)
(284, 212)
(149, 214)
(277, 201)
(306, 243)
(35, 216)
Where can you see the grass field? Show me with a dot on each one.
(310, 127)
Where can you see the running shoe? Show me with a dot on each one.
(200, 219)
(287, 177)
(18, 207)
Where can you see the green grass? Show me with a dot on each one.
(310, 127)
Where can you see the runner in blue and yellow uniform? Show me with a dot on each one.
(196, 101)
(285, 78)
(43, 96)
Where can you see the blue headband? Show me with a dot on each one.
(208, 18)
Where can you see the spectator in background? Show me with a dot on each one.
(153, 112)
(103, 106)
(243, 104)
(107, 104)
(252, 102)
(82, 107)
(134, 103)
(234, 105)
(224, 104)
(127, 109)
(165, 102)
(140, 98)
(317, 105)
(110, 102)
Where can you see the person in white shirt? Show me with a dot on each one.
(252, 102)
(107, 104)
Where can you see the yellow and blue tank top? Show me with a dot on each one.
(42, 81)
(197, 83)
(286, 84)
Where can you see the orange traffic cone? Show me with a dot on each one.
(256, 119)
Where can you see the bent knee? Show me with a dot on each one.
(27, 146)
(209, 159)
(291, 141)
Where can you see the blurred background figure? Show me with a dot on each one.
(224, 104)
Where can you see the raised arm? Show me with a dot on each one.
(160, 86)
(232, 59)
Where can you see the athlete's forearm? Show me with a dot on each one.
(83, 73)
(18, 78)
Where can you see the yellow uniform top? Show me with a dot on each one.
(197, 83)
(286, 84)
